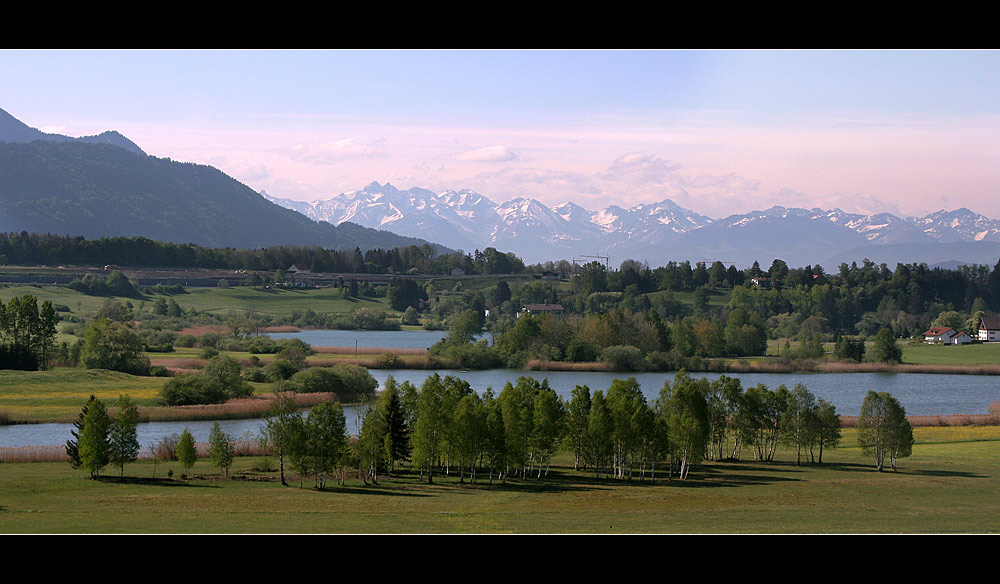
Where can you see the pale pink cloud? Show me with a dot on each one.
(497, 153)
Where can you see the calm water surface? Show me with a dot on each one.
(920, 394)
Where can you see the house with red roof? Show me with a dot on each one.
(946, 335)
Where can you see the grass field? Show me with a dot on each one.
(219, 301)
(948, 485)
(58, 394)
(929, 354)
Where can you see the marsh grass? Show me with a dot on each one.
(942, 421)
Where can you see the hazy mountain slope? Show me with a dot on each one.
(14, 130)
(79, 188)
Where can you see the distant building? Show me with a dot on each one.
(989, 329)
(553, 309)
(297, 269)
(946, 335)
(761, 282)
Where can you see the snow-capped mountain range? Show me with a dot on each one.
(657, 232)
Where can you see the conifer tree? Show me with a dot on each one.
(93, 447)
(73, 444)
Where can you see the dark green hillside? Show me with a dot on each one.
(97, 190)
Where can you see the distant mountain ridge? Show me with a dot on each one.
(105, 185)
(14, 130)
(654, 232)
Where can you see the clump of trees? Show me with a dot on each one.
(616, 433)
(883, 430)
(314, 446)
(112, 345)
(218, 381)
(116, 284)
(27, 333)
(100, 439)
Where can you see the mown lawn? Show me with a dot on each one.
(972, 354)
(946, 486)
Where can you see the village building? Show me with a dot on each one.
(989, 329)
(946, 335)
(553, 309)
(297, 269)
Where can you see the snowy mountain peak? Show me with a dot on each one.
(661, 231)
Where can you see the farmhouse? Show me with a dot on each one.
(297, 269)
(946, 335)
(553, 309)
(989, 328)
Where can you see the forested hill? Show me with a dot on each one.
(14, 130)
(100, 190)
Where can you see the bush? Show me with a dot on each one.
(318, 380)
(623, 357)
(579, 351)
(388, 360)
(113, 346)
(226, 371)
(357, 381)
(192, 389)
(166, 448)
(255, 374)
(158, 371)
(280, 369)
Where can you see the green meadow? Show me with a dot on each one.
(948, 485)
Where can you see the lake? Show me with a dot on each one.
(920, 394)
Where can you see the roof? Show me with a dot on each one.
(544, 307)
(940, 331)
(990, 323)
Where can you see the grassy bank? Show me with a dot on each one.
(948, 485)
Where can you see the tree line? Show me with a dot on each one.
(33, 249)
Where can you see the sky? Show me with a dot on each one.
(718, 132)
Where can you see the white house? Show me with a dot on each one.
(961, 339)
(989, 328)
(939, 334)
(946, 335)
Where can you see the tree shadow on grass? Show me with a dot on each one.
(944, 473)
(381, 489)
(158, 482)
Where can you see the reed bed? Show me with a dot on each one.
(946, 420)
(329, 349)
(179, 364)
(282, 328)
(543, 365)
(252, 407)
(908, 368)
(54, 453)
